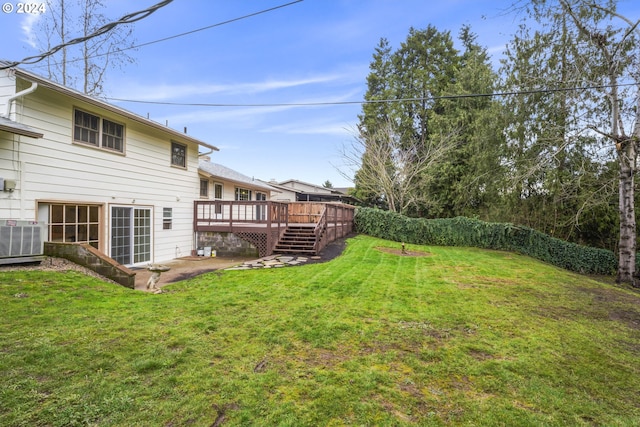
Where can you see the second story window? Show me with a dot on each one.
(204, 188)
(112, 135)
(178, 155)
(97, 131)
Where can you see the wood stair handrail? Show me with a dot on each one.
(318, 230)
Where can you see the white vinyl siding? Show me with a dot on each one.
(54, 169)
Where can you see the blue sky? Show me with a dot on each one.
(307, 52)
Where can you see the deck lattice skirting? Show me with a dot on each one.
(263, 223)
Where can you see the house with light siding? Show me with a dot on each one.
(95, 173)
(218, 182)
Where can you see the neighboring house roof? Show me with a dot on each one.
(310, 192)
(103, 104)
(290, 184)
(18, 128)
(218, 171)
(343, 190)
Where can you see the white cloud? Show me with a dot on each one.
(164, 92)
(336, 128)
(28, 23)
(215, 115)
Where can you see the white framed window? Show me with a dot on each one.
(217, 195)
(217, 191)
(243, 194)
(98, 132)
(74, 223)
(204, 188)
(167, 218)
(178, 154)
(112, 136)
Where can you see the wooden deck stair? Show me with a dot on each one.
(297, 239)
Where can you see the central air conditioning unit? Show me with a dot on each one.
(21, 239)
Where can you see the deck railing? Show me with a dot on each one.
(214, 214)
(335, 222)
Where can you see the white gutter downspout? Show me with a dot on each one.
(20, 94)
(205, 154)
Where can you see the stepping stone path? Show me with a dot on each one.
(273, 261)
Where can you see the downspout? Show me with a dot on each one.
(205, 154)
(20, 94)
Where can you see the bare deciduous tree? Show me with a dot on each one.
(83, 66)
(384, 164)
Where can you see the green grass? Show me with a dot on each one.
(461, 337)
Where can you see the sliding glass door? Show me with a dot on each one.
(130, 234)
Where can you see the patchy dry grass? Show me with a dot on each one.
(460, 337)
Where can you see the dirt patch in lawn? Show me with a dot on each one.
(621, 306)
(401, 252)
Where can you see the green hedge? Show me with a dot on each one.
(472, 232)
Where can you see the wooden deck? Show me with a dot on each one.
(263, 223)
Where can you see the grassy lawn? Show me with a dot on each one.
(459, 337)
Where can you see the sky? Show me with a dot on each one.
(311, 51)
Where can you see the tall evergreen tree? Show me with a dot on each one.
(413, 78)
(467, 182)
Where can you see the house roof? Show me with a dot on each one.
(18, 128)
(319, 194)
(283, 184)
(103, 104)
(219, 171)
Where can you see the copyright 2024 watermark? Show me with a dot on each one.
(31, 8)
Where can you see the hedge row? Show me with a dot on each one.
(472, 232)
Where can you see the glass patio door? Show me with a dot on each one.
(130, 235)
(261, 211)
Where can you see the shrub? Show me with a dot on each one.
(462, 231)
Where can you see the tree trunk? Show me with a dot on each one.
(63, 40)
(627, 248)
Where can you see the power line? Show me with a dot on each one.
(374, 101)
(214, 25)
(127, 19)
(189, 32)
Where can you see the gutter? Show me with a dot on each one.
(20, 94)
(28, 76)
